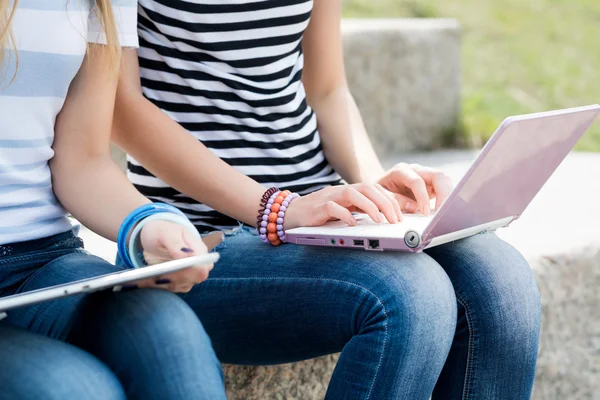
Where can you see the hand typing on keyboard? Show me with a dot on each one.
(412, 183)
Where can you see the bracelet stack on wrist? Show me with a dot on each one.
(129, 242)
(272, 214)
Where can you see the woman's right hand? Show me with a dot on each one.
(339, 202)
(165, 241)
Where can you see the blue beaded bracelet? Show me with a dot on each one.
(133, 219)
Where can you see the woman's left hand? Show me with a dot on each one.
(414, 186)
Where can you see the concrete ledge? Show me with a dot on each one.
(405, 77)
(569, 357)
(303, 380)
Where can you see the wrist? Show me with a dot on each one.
(292, 217)
(272, 216)
(128, 238)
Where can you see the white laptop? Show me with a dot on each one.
(510, 170)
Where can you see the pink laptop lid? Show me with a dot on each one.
(511, 169)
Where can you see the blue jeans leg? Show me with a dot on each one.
(392, 316)
(36, 367)
(150, 339)
(154, 343)
(494, 352)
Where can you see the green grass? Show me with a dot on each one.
(518, 56)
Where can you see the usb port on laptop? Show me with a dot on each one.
(360, 243)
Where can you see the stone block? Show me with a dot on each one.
(569, 356)
(405, 77)
(302, 380)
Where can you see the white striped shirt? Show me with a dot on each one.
(229, 72)
(51, 38)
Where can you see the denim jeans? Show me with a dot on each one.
(460, 321)
(36, 367)
(151, 340)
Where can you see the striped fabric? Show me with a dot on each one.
(51, 38)
(229, 72)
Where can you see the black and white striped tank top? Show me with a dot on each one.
(229, 72)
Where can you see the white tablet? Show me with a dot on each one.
(113, 281)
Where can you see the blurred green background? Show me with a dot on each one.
(518, 56)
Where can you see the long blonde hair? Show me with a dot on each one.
(103, 9)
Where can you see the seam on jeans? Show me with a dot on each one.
(385, 338)
(470, 349)
(33, 256)
(39, 270)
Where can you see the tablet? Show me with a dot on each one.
(114, 281)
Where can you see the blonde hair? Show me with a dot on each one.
(111, 53)
(6, 37)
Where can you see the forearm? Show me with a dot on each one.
(95, 191)
(345, 141)
(184, 163)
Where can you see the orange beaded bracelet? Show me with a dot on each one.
(271, 226)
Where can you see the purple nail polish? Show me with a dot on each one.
(187, 250)
(162, 281)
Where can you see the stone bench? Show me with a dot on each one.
(405, 77)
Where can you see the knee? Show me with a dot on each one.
(161, 315)
(509, 308)
(37, 367)
(417, 298)
(150, 322)
(155, 343)
(80, 378)
(500, 293)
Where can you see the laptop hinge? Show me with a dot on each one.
(463, 233)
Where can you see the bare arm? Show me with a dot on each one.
(84, 177)
(176, 157)
(345, 140)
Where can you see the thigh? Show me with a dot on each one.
(153, 342)
(264, 304)
(36, 367)
(489, 274)
(56, 318)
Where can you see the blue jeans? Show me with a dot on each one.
(150, 339)
(460, 322)
(36, 367)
